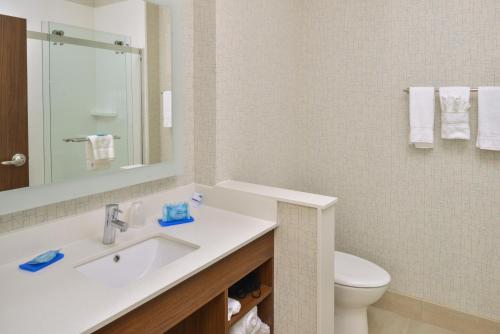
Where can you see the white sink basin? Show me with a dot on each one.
(134, 262)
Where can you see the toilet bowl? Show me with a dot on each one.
(358, 284)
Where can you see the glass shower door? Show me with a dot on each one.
(88, 93)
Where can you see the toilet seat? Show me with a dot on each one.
(356, 272)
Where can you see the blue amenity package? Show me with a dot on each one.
(42, 261)
(178, 211)
(175, 214)
(44, 258)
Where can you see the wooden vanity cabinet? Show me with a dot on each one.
(199, 304)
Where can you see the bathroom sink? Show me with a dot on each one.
(134, 262)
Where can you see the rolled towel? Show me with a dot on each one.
(422, 105)
(249, 324)
(252, 321)
(237, 328)
(233, 307)
(455, 105)
(264, 329)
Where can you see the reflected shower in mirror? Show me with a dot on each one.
(99, 89)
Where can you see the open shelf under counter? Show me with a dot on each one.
(249, 303)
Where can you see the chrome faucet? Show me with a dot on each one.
(112, 224)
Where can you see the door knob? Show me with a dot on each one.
(18, 160)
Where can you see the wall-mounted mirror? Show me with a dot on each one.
(94, 95)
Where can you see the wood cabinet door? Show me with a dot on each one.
(13, 102)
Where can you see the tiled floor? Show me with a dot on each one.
(385, 322)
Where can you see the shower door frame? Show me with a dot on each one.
(134, 131)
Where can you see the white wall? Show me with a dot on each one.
(123, 18)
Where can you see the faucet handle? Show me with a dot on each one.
(114, 210)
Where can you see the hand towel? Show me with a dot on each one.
(100, 152)
(233, 307)
(455, 105)
(422, 105)
(167, 108)
(488, 137)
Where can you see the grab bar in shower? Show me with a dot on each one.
(82, 139)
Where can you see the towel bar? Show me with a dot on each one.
(82, 139)
(407, 90)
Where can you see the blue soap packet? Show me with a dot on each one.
(173, 212)
(44, 258)
(42, 261)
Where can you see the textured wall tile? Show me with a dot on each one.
(309, 96)
(256, 55)
(431, 218)
(296, 270)
(204, 90)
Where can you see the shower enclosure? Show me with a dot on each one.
(90, 88)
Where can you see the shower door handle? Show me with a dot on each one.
(18, 160)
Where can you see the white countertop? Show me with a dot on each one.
(59, 299)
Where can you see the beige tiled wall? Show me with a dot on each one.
(204, 90)
(431, 218)
(296, 271)
(309, 96)
(257, 72)
(40, 215)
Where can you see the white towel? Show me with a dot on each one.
(233, 307)
(455, 105)
(422, 105)
(264, 329)
(488, 137)
(167, 108)
(100, 152)
(249, 324)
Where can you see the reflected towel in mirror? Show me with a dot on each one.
(100, 152)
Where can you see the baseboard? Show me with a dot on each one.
(444, 317)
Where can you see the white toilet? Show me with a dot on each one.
(358, 284)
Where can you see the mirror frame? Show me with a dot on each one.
(37, 196)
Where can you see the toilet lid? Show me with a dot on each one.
(356, 272)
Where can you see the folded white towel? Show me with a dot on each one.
(455, 105)
(422, 105)
(488, 137)
(264, 329)
(249, 324)
(233, 307)
(100, 152)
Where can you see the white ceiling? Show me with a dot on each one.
(95, 3)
